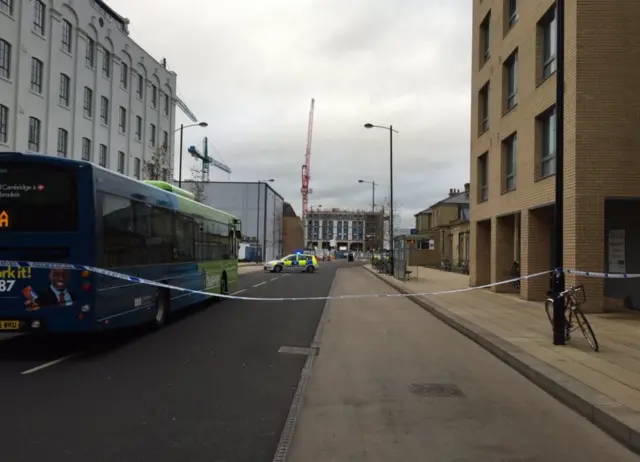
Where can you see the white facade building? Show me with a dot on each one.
(74, 84)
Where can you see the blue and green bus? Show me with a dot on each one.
(59, 210)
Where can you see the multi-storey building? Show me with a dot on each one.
(259, 207)
(513, 134)
(74, 84)
(339, 229)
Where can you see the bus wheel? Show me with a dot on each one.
(162, 308)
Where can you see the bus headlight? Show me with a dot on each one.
(35, 324)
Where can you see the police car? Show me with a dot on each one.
(294, 262)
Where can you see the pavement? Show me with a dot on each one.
(210, 386)
(394, 383)
(603, 387)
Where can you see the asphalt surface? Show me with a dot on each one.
(210, 386)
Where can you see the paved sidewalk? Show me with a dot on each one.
(603, 386)
(393, 383)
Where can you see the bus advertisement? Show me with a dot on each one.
(65, 211)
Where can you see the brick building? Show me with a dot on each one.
(513, 136)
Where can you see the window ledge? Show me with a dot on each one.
(511, 109)
(507, 191)
(544, 79)
(541, 178)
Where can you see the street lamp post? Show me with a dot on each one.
(373, 193)
(558, 275)
(373, 202)
(181, 129)
(391, 132)
(270, 180)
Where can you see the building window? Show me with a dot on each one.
(152, 135)
(106, 63)
(509, 151)
(5, 59)
(6, 6)
(120, 162)
(122, 120)
(165, 139)
(124, 75)
(483, 107)
(485, 39)
(67, 37)
(547, 28)
(483, 177)
(166, 104)
(88, 102)
(512, 13)
(4, 123)
(34, 134)
(37, 70)
(154, 96)
(86, 149)
(511, 82)
(140, 88)
(104, 110)
(547, 130)
(102, 160)
(139, 128)
(136, 168)
(65, 88)
(63, 142)
(39, 17)
(90, 53)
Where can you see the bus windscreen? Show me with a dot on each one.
(37, 198)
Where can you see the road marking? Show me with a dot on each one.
(258, 285)
(238, 291)
(50, 363)
(277, 277)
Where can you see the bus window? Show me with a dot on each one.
(121, 243)
(37, 198)
(185, 238)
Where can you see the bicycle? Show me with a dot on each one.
(573, 297)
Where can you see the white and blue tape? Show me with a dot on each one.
(137, 280)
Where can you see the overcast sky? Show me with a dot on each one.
(250, 68)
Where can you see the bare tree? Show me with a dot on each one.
(197, 185)
(159, 166)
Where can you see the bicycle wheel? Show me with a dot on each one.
(586, 329)
(548, 308)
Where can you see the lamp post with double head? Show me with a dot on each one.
(391, 132)
(181, 129)
(373, 202)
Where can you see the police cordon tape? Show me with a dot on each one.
(137, 280)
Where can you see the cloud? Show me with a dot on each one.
(249, 68)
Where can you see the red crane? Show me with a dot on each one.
(306, 168)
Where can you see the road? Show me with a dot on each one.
(210, 386)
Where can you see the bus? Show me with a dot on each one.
(59, 210)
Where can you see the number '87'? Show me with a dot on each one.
(6, 285)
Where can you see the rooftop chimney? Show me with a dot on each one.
(466, 187)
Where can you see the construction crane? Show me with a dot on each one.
(306, 168)
(206, 160)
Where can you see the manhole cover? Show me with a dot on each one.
(435, 390)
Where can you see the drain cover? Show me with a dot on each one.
(294, 350)
(435, 390)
